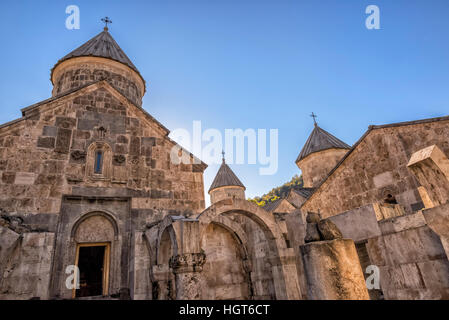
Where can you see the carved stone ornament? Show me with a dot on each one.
(134, 160)
(78, 155)
(189, 262)
(119, 158)
(101, 132)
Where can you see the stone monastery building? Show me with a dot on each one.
(86, 183)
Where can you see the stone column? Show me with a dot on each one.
(187, 269)
(333, 271)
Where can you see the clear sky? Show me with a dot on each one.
(248, 64)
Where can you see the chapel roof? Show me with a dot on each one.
(103, 46)
(225, 177)
(304, 192)
(320, 140)
(271, 206)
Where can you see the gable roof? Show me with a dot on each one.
(271, 206)
(28, 112)
(225, 177)
(367, 132)
(304, 192)
(320, 140)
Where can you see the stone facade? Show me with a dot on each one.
(50, 153)
(226, 192)
(87, 182)
(316, 166)
(77, 72)
(389, 195)
(377, 166)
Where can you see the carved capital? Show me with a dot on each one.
(189, 262)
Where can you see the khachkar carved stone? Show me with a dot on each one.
(331, 263)
(187, 268)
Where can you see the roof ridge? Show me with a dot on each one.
(102, 45)
(320, 140)
(225, 177)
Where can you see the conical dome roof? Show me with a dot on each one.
(103, 46)
(225, 177)
(320, 140)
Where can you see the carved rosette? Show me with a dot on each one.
(189, 262)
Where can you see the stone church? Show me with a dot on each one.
(92, 207)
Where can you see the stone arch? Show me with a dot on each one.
(263, 218)
(166, 227)
(98, 228)
(236, 231)
(166, 245)
(107, 216)
(278, 258)
(106, 170)
(226, 273)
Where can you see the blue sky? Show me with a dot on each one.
(248, 64)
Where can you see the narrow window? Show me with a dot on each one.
(98, 161)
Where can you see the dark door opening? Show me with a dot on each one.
(92, 264)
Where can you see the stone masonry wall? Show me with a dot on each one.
(378, 166)
(75, 75)
(46, 155)
(223, 272)
(316, 166)
(411, 259)
(225, 193)
(27, 271)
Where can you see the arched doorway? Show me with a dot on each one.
(271, 263)
(94, 236)
(224, 272)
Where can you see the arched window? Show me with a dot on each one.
(98, 162)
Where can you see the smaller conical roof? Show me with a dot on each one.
(225, 177)
(320, 140)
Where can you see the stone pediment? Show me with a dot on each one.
(61, 101)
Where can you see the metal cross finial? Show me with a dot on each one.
(106, 20)
(223, 153)
(314, 116)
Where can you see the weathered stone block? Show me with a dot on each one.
(431, 167)
(134, 146)
(333, 270)
(328, 230)
(49, 131)
(46, 142)
(65, 122)
(8, 177)
(63, 140)
(26, 178)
